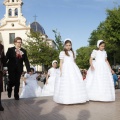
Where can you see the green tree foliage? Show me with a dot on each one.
(109, 31)
(97, 34)
(83, 56)
(113, 34)
(39, 51)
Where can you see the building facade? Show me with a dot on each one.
(13, 24)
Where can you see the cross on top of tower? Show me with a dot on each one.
(35, 17)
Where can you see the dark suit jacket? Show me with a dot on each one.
(2, 57)
(2, 63)
(13, 62)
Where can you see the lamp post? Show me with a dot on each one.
(43, 39)
(41, 63)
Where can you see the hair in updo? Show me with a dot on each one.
(66, 51)
(32, 69)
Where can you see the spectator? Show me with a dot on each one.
(115, 78)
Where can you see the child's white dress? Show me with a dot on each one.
(31, 89)
(48, 89)
(99, 83)
(69, 87)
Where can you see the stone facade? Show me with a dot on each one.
(13, 24)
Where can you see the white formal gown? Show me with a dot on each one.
(48, 89)
(31, 89)
(69, 87)
(99, 82)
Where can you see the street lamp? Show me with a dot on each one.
(41, 63)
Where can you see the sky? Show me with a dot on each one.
(74, 19)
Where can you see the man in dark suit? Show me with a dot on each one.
(15, 57)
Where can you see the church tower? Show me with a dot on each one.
(13, 24)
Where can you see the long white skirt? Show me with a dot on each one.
(32, 89)
(70, 87)
(99, 83)
(48, 89)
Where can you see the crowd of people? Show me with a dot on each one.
(116, 78)
(67, 84)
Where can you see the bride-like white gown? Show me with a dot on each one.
(99, 83)
(31, 89)
(48, 89)
(69, 87)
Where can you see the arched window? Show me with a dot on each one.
(16, 12)
(10, 12)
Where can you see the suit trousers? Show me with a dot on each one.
(1, 81)
(14, 80)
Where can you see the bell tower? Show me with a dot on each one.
(13, 11)
(13, 8)
(13, 23)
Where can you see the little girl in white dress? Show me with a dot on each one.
(69, 84)
(30, 86)
(99, 80)
(48, 88)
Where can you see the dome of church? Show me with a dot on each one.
(36, 27)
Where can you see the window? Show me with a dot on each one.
(16, 12)
(10, 12)
(11, 38)
(12, 0)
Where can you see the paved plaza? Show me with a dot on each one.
(44, 108)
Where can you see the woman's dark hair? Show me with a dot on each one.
(56, 62)
(101, 44)
(17, 38)
(66, 51)
(32, 69)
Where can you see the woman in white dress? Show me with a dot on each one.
(69, 84)
(30, 86)
(99, 80)
(48, 88)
